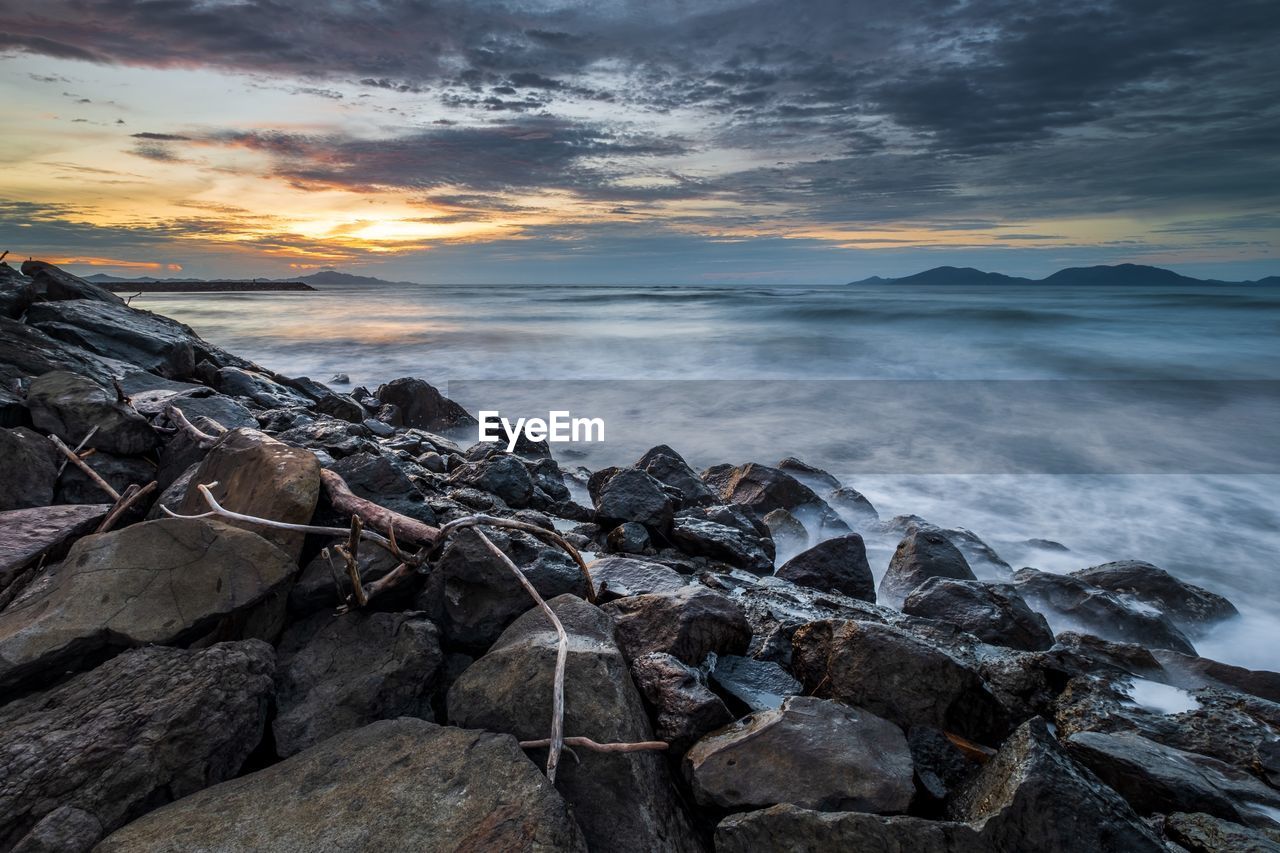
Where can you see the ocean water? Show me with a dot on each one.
(1136, 423)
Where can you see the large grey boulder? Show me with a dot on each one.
(922, 554)
(839, 564)
(417, 404)
(340, 673)
(70, 405)
(165, 582)
(26, 535)
(739, 546)
(148, 726)
(393, 785)
(623, 801)
(812, 753)
(150, 341)
(1191, 608)
(669, 468)
(25, 351)
(501, 474)
(630, 494)
(689, 623)
(788, 829)
(377, 478)
(620, 577)
(30, 466)
(57, 284)
(994, 613)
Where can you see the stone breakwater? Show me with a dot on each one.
(206, 684)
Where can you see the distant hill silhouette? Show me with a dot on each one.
(322, 278)
(1113, 275)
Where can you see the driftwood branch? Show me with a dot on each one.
(131, 496)
(84, 466)
(350, 552)
(588, 743)
(542, 533)
(404, 528)
(93, 430)
(202, 438)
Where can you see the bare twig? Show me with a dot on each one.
(84, 466)
(121, 397)
(202, 438)
(406, 529)
(541, 532)
(335, 574)
(131, 496)
(391, 579)
(588, 743)
(93, 430)
(350, 553)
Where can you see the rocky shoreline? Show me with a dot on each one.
(207, 682)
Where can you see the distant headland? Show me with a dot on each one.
(1114, 275)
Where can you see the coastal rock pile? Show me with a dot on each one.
(212, 683)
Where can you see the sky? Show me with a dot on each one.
(665, 141)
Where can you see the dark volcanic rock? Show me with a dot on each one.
(684, 709)
(1098, 611)
(629, 538)
(1031, 796)
(28, 534)
(1202, 833)
(620, 577)
(66, 829)
(789, 535)
(316, 589)
(668, 467)
(165, 582)
(17, 293)
(380, 480)
(56, 284)
(144, 728)
(337, 438)
(839, 564)
(764, 489)
(897, 676)
(420, 405)
(30, 466)
(921, 555)
(336, 674)
(261, 389)
(501, 474)
(812, 753)
(1190, 607)
(25, 351)
(632, 495)
(153, 343)
(689, 623)
(743, 549)
(342, 407)
(622, 801)
(994, 613)
(977, 552)
(393, 785)
(1192, 672)
(854, 507)
(759, 685)
(75, 487)
(775, 608)
(69, 405)
(787, 829)
(812, 476)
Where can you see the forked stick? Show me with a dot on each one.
(88, 435)
(84, 466)
(541, 532)
(201, 438)
(131, 496)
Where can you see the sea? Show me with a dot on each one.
(1120, 422)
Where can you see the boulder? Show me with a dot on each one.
(629, 538)
(764, 489)
(316, 589)
(689, 623)
(812, 753)
(1194, 672)
(854, 507)
(1202, 833)
(994, 613)
(260, 476)
(55, 284)
(401, 784)
(922, 554)
(811, 475)
(623, 801)
(30, 465)
(148, 726)
(17, 293)
(75, 487)
(26, 535)
(379, 479)
(622, 577)
(149, 341)
(1188, 606)
(337, 438)
(683, 708)
(1031, 796)
(258, 388)
(501, 474)
(66, 829)
(977, 552)
(69, 405)
(897, 676)
(420, 405)
(165, 582)
(336, 674)
(632, 495)
(25, 351)
(669, 468)
(730, 544)
(151, 395)
(758, 685)
(775, 608)
(788, 829)
(1099, 611)
(342, 407)
(839, 564)
(789, 535)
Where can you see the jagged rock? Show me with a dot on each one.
(419, 405)
(30, 465)
(812, 753)
(764, 489)
(260, 476)
(1188, 606)
(26, 535)
(689, 623)
(149, 726)
(166, 582)
(17, 293)
(1193, 672)
(339, 439)
(1202, 833)
(501, 474)
(57, 284)
(150, 395)
(1125, 657)
(382, 429)
(620, 577)
(787, 829)
(743, 549)
(75, 487)
(941, 766)
(401, 784)
(69, 405)
(811, 475)
(1099, 611)
(1031, 796)
(629, 538)
(315, 588)
(25, 351)
(897, 676)
(64, 830)
(632, 495)
(668, 467)
(977, 552)
(994, 613)
(854, 507)
(839, 564)
(922, 554)
(262, 390)
(789, 535)
(149, 341)
(336, 674)
(684, 709)
(759, 685)
(775, 608)
(342, 407)
(622, 801)
(382, 481)
(1157, 778)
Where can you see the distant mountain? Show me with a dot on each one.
(1114, 275)
(344, 278)
(322, 278)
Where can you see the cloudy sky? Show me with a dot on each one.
(657, 141)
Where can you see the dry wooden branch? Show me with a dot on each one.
(131, 496)
(391, 579)
(588, 743)
(93, 430)
(541, 532)
(404, 528)
(121, 397)
(335, 574)
(201, 438)
(84, 466)
(350, 553)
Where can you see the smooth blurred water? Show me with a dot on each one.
(1218, 529)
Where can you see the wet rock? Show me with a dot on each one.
(30, 465)
(64, 830)
(501, 474)
(149, 341)
(775, 608)
(26, 535)
(316, 588)
(758, 685)
(337, 438)
(1031, 796)
(382, 481)
(69, 405)
(1126, 657)
(632, 495)
(622, 801)
(922, 554)
(56, 284)
(1189, 607)
(336, 674)
(620, 577)
(17, 293)
(260, 476)
(688, 623)
(941, 766)
(13, 410)
(164, 582)
(1098, 611)
(812, 753)
(994, 613)
(401, 784)
(261, 389)
(764, 489)
(25, 351)
(1193, 672)
(341, 407)
(897, 676)
(684, 709)
(812, 476)
(75, 487)
(419, 405)
(151, 398)
(379, 428)
(787, 829)
(668, 467)
(144, 728)
(743, 549)
(789, 535)
(839, 564)
(1202, 833)
(854, 507)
